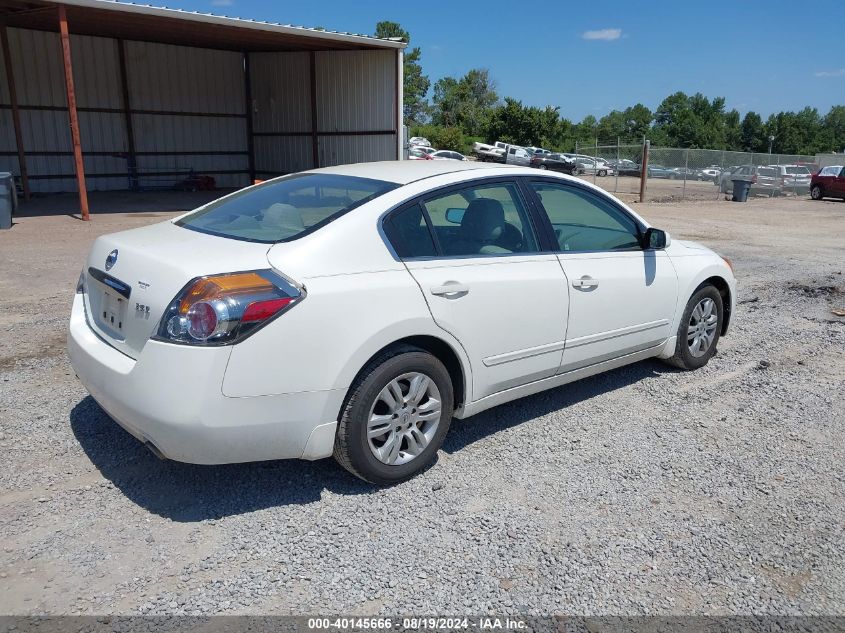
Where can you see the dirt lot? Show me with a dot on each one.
(642, 491)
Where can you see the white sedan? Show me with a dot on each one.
(356, 310)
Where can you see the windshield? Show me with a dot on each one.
(282, 210)
(798, 170)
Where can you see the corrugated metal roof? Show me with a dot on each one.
(126, 17)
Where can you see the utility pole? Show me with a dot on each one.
(644, 172)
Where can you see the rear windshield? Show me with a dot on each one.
(285, 209)
(768, 172)
(797, 170)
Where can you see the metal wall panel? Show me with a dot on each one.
(179, 133)
(282, 154)
(342, 150)
(4, 88)
(96, 72)
(7, 131)
(37, 64)
(356, 91)
(39, 79)
(281, 92)
(184, 79)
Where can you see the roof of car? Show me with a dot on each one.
(402, 172)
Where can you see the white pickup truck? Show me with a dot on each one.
(501, 152)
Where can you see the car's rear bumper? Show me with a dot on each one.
(171, 396)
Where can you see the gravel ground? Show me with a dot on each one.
(641, 491)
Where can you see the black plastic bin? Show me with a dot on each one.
(741, 189)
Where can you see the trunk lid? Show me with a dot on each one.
(150, 266)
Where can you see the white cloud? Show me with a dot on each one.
(839, 72)
(222, 3)
(607, 35)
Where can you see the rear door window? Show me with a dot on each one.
(488, 219)
(408, 233)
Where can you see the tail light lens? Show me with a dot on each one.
(224, 309)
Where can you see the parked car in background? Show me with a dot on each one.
(354, 311)
(765, 181)
(419, 141)
(517, 156)
(446, 154)
(419, 153)
(712, 173)
(688, 173)
(626, 167)
(794, 178)
(589, 165)
(659, 171)
(537, 151)
(553, 162)
(828, 183)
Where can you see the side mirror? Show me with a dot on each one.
(455, 215)
(655, 239)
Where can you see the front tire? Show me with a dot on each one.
(816, 192)
(699, 330)
(396, 416)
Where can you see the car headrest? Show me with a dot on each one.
(484, 220)
(285, 216)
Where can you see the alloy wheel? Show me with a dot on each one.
(404, 418)
(701, 329)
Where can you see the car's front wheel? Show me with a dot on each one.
(699, 330)
(396, 416)
(816, 192)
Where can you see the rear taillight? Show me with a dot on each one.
(80, 285)
(223, 309)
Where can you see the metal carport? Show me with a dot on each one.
(100, 95)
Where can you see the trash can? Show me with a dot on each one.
(7, 199)
(741, 189)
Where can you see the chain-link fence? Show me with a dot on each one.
(692, 174)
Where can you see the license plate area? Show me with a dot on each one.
(112, 312)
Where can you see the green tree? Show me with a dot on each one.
(692, 121)
(752, 134)
(415, 84)
(465, 102)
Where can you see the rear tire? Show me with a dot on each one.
(698, 332)
(602, 172)
(816, 192)
(410, 436)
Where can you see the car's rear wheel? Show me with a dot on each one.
(396, 416)
(699, 330)
(602, 172)
(816, 192)
(542, 166)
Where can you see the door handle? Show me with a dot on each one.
(450, 290)
(585, 282)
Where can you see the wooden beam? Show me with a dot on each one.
(250, 141)
(315, 151)
(71, 109)
(16, 116)
(131, 162)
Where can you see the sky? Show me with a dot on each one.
(594, 57)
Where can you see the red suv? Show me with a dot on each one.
(828, 182)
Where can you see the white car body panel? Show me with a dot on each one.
(631, 308)
(509, 313)
(521, 327)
